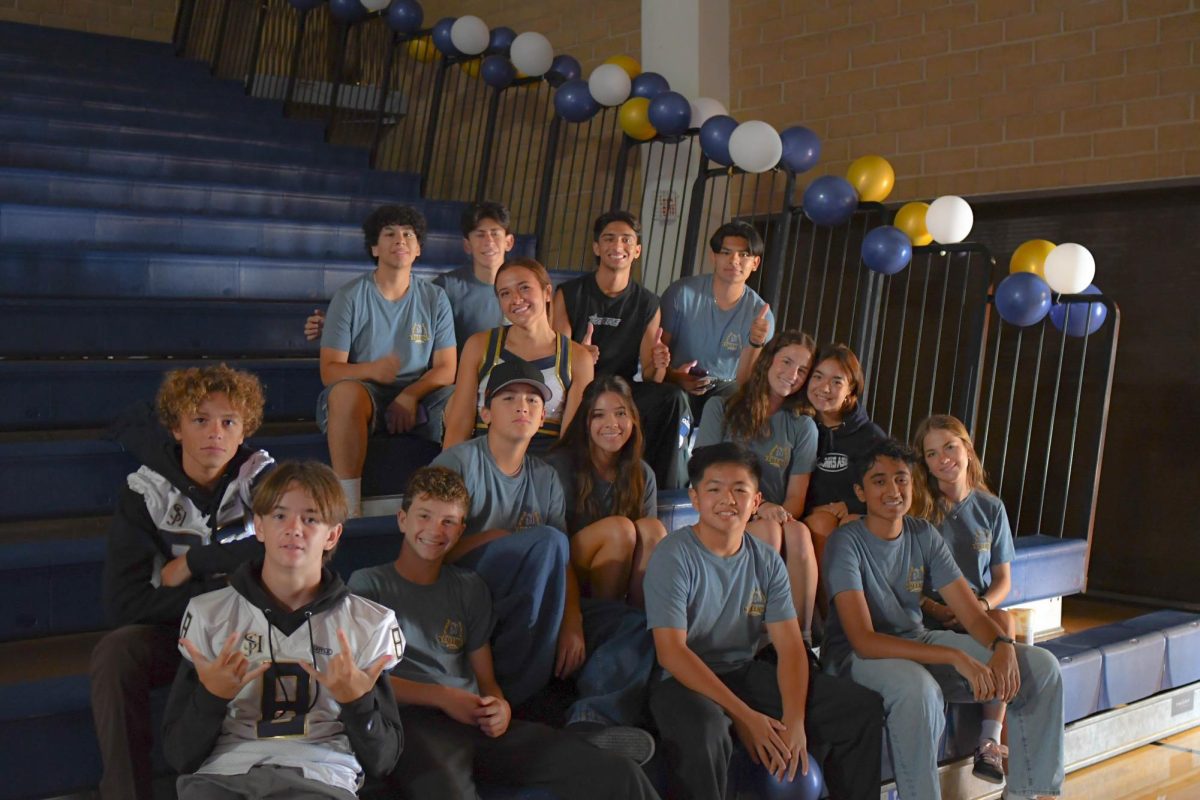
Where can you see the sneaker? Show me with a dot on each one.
(989, 762)
(633, 743)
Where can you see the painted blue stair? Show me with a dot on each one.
(137, 163)
(30, 127)
(90, 394)
(57, 187)
(23, 225)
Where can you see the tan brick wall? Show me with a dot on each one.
(139, 19)
(979, 97)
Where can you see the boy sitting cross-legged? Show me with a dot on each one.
(281, 691)
(458, 724)
(714, 595)
(876, 568)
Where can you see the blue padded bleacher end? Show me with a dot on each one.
(1046, 566)
(1182, 632)
(1082, 675)
(1133, 661)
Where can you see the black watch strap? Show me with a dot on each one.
(1002, 640)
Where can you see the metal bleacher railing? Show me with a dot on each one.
(1036, 399)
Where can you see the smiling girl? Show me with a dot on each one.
(524, 291)
(765, 415)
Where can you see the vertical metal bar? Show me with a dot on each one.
(543, 206)
(489, 138)
(260, 24)
(1037, 374)
(774, 280)
(624, 146)
(937, 340)
(1058, 376)
(295, 65)
(385, 89)
(219, 44)
(339, 67)
(899, 352)
(1012, 394)
(431, 129)
(695, 214)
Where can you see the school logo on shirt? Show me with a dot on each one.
(453, 636)
(604, 322)
(983, 540)
(732, 341)
(175, 516)
(916, 579)
(252, 644)
(419, 333)
(758, 603)
(778, 457)
(833, 462)
(529, 519)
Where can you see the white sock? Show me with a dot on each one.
(353, 489)
(990, 730)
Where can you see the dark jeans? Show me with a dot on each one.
(666, 425)
(843, 723)
(126, 665)
(443, 758)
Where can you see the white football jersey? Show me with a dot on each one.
(284, 717)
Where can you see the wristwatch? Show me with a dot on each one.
(1002, 640)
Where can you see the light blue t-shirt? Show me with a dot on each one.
(532, 497)
(791, 449)
(368, 326)
(977, 532)
(472, 302)
(704, 333)
(890, 574)
(443, 622)
(724, 603)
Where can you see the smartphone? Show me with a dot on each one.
(698, 372)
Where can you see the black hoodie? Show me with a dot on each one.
(833, 478)
(195, 718)
(159, 509)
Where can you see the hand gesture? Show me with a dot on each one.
(797, 742)
(225, 675)
(587, 343)
(384, 370)
(773, 512)
(314, 325)
(460, 705)
(983, 683)
(342, 677)
(691, 384)
(571, 650)
(401, 413)
(1006, 671)
(493, 715)
(760, 329)
(175, 572)
(763, 739)
(660, 354)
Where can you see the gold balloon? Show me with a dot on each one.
(422, 49)
(911, 219)
(630, 65)
(1031, 257)
(634, 118)
(873, 178)
(471, 67)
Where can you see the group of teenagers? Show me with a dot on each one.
(531, 553)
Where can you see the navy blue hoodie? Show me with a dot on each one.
(833, 479)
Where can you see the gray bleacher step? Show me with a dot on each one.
(207, 92)
(136, 163)
(51, 657)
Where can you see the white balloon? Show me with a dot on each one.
(531, 53)
(609, 85)
(703, 108)
(949, 219)
(1070, 268)
(755, 146)
(375, 5)
(469, 34)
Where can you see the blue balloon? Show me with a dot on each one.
(501, 39)
(1079, 319)
(830, 200)
(714, 138)
(802, 787)
(405, 16)
(1022, 299)
(649, 85)
(498, 72)
(347, 10)
(306, 5)
(670, 113)
(565, 68)
(801, 148)
(441, 37)
(886, 249)
(574, 102)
